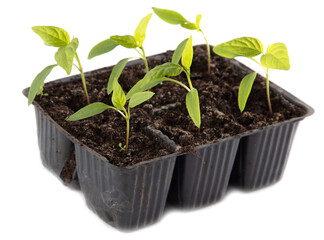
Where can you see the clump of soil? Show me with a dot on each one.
(68, 169)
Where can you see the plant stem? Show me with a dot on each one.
(83, 79)
(121, 113)
(267, 84)
(180, 83)
(268, 92)
(258, 63)
(188, 77)
(76, 67)
(208, 50)
(145, 60)
(127, 128)
(126, 116)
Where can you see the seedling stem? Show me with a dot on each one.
(268, 92)
(82, 77)
(208, 50)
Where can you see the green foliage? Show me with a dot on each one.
(118, 97)
(154, 77)
(118, 100)
(245, 89)
(139, 98)
(187, 54)
(36, 87)
(89, 111)
(192, 103)
(162, 73)
(198, 19)
(245, 46)
(176, 18)
(141, 30)
(170, 16)
(138, 94)
(122, 147)
(102, 47)
(127, 41)
(276, 57)
(178, 52)
(52, 36)
(115, 74)
(190, 26)
(64, 57)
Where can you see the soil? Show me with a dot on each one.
(68, 169)
(218, 101)
(105, 131)
(218, 94)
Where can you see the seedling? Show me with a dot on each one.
(276, 57)
(176, 18)
(122, 148)
(118, 100)
(64, 57)
(173, 68)
(127, 41)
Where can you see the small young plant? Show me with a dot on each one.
(276, 57)
(173, 68)
(118, 100)
(176, 18)
(64, 57)
(127, 41)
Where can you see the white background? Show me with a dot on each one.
(35, 205)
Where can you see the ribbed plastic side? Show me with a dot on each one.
(202, 178)
(126, 198)
(262, 157)
(55, 148)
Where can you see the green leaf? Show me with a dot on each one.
(139, 98)
(187, 54)
(74, 44)
(276, 57)
(174, 17)
(102, 47)
(192, 103)
(52, 36)
(144, 85)
(126, 41)
(169, 16)
(89, 111)
(37, 84)
(118, 97)
(245, 46)
(189, 25)
(141, 29)
(178, 52)
(122, 147)
(65, 55)
(115, 74)
(245, 89)
(166, 69)
(198, 18)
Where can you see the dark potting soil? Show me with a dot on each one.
(68, 169)
(105, 131)
(219, 90)
(218, 101)
(220, 115)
